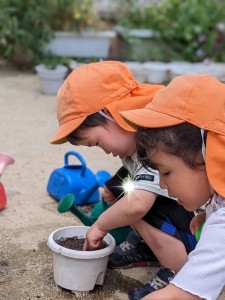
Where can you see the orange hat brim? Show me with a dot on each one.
(65, 129)
(139, 118)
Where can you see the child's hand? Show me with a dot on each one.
(108, 196)
(94, 237)
(196, 221)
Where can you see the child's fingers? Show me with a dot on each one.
(85, 246)
(194, 225)
(109, 198)
(91, 244)
(193, 229)
(111, 201)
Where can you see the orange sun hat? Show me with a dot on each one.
(197, 99)
(92, 87)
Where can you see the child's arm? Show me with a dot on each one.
(127, 211)
(171, 292)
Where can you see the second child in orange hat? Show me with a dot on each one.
(88, 106)
(181, 133)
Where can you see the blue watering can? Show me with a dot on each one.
(77, 180)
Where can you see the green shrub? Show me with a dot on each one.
(195, 28)
(192, 30)
(51, 60)
(24, 29)
(133, 17)
(74, 15)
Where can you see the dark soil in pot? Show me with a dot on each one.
(76, 243)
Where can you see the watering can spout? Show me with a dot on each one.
(5, 160)
(67, 204)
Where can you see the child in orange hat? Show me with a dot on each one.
(181, 133)
(88, 106)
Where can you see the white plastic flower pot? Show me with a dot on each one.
(215, 69)
(178, 68)
(137, 70)
(157, 72)
(51, 79)
(73, 64)
(79, 271)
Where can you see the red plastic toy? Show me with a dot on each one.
(3, 199)
(5, 160)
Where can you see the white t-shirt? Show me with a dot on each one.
(143, 179)
(204, 273)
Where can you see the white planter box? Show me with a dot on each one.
(137, 33)
(87, 44)
(137, 44)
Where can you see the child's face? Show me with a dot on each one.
(189, 185)
(112, 139)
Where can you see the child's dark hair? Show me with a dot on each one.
(91, 121)
(182, 140)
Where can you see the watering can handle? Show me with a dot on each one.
(81, 159)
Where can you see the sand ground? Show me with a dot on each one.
(26, 269)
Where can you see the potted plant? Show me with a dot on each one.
(52, 71)
(79, 31)
(138, 41)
